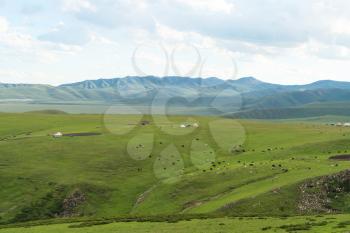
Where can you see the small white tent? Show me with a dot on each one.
(57, 135)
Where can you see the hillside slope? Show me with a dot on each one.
(155, 168)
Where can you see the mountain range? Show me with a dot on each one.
(246, 97)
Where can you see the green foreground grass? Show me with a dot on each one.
(319, 224)
(130, 169)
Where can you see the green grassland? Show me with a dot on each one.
(319, 224)
(224, 167)
(101, 107)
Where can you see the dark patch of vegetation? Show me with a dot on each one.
(91, 223)
(266, 228)
(61, 201)
(296, 227)
(343, 224)
(46, 207)
(303, 226)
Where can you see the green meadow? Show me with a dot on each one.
(317, 224)
(230, 175)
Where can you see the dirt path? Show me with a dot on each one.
(143, 196)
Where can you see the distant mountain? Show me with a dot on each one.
(146, 82)
(247, 94)
(298, 98)
(325, 84)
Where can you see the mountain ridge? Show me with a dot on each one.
(249, 80)
(245, 80)
(247, 93)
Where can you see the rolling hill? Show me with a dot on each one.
(127, 169)
(243, 97)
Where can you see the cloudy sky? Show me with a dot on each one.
(59, 41)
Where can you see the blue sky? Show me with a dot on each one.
(60, 41)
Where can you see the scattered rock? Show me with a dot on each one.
(316, 195)
(71, 203)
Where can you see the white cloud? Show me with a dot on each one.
(340, 26)
(295, 39)
(218, 6)
(3, 24)
(18, 76)
(172, 37)
(67, 35)
(26, 47)
(78, 5)
(167, 33)
(327, 51)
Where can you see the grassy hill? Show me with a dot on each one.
(140, 166)
(306, 111)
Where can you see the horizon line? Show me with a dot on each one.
(172, 76)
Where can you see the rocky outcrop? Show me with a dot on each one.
(317, 195)
(71, 203)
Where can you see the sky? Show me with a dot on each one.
(64, 41)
